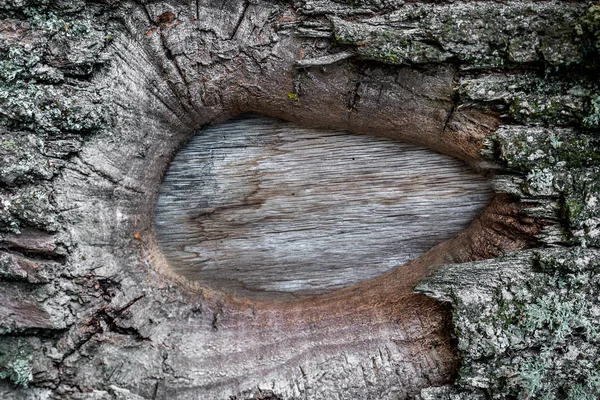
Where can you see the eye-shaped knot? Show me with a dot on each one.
(260, 206)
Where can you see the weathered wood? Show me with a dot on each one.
(261, 205)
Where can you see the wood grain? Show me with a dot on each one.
(260, 205)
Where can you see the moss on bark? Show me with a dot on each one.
(527, 324)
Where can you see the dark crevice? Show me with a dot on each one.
(128, 331)
(355, 96)
(42, 333)
(34, 255)
(110, 317)
(455, 102)
(450, 113)
(108, 287)
(109, 178)
(240, 19)
(145, 9)
(215, 318)
(164, 21)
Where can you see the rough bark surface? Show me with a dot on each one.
(97, 96)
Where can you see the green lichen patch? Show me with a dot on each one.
(481, 35)
(589, 29)
(50, 102)
(580, 206)
(450, 392)
(574, 209)
(531, 99)
(29, 206)
(47, 109)
(528, 324)
(30, 8)
(15, 362)
(43, 19)
(592, 119)
(52, 47)
(49, 52)
(525, 149)
(18, 371)
(557, 163)
(44, 108)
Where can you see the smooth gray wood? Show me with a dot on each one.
(261, 204)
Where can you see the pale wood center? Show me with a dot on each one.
(261, 205)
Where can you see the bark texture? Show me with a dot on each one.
(97, 96)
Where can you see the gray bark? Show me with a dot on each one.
(97, 97)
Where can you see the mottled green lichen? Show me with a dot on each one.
(49, 21)
(18, 371)
(528, 325)
(588, 28)
(15, 363)
(533, 98)
(48, 104)
(561, 164)
(30, 8)
(592, 119)
(580, 208)
(526, 148)
(482, 35)
(29, 98)
(29, 206)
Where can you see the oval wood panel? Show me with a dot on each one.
(257, 204)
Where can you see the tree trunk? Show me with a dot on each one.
(96, 98)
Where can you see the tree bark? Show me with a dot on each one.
(98, 96)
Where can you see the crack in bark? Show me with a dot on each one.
(215, 318)
(108, 316)
(185, 99)
(108, 177)
(449, 116)
(240, 19)
(355, 97)
(163, 102)
(325, 60)
(34, 255)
